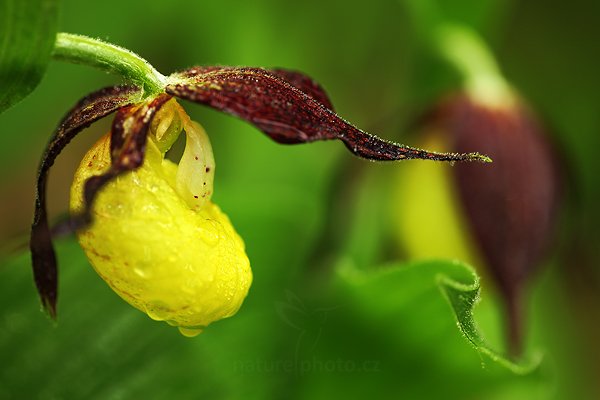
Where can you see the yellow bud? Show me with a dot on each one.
(158, 240)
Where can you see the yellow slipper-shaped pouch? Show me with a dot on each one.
(156, 238)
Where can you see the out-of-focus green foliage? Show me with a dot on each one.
(378, 307)
(27, 31)
(301, 208)
(390, 328)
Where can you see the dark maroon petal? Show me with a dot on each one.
(297, 79)
(128, 145)
(511, 205)
(305, 83)
(91, 108)
(286, 113)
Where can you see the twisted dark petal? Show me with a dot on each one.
(129, 136)
(91, 108)
(286, 113)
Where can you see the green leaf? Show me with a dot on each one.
(389, 329)
(27, 35)
(457, 282)
(403, 327)
(463, 297)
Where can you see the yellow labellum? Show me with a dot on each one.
(157, 239)
(430, 204)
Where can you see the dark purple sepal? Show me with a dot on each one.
(90, 109)
(286, 113)
(297, 79)
(305, 84)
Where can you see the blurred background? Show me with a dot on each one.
(305, 210)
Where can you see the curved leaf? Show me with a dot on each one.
(27, 35)
(398, 287)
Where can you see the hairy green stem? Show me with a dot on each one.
(108, 57)
(462, 48)
(469, 54)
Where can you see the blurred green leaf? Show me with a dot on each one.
(402, 333)
(393, 329)
(27, 34)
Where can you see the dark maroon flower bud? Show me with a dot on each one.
(511, 204)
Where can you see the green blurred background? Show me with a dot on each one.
(303, 210)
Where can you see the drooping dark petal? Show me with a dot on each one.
(91, 108)
(286, 113)
(128, 145)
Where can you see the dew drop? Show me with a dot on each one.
(140, 272)
(210, 236)
(158, 311)
(190, 332)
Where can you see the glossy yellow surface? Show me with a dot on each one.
(180, 264)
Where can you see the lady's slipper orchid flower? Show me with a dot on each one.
(502, 218)
(153, 234)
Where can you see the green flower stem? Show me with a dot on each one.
(469, 54)
(108, 57)
(462, 48)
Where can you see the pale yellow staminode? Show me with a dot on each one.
(157, 239)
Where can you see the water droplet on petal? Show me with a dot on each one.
(140, 272)
(190, 332)
(158, 311)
